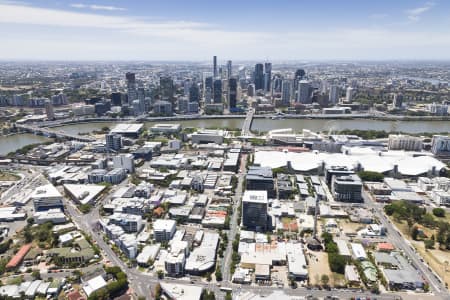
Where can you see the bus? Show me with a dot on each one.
(226, 289)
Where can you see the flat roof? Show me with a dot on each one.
(164, 225)
(46, 191)
(181, 291)
(255, 196)
(127, 128)
(84, 193)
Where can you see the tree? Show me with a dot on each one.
(325, 279)
(439, 212)
(36, 274)
(160, 274)
(228, 296)
(414, 233)
(371, 176)
(218, 274)
(429, 244)
(208, 276)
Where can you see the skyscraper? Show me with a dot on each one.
(254, 210)
(131, 86)
(194, 93)
(116, 99)
(217, 91)
(259, 77)
(397, 101)
(49, 110)
(232, 93)
(166, 88)
(267, 76)
(215, 74)
(229, 69)
(349, 94)
(304, 95)
(299, 75)
(334, 94)
(286, 92)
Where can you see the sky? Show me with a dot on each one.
(195, 30)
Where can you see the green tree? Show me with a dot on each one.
(218, 274)
(36, 274)
(371, 176)
(439, 212)
(228, 296)
(429, 244)
(414, 233)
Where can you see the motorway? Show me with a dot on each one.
(399, 241)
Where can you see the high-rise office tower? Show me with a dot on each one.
(217, 91)
(166, 88)
(194, 93)
(141, 99)
(334, 94)
(277, 84)
(397, 101)
(286, 92)
(131, 86)
(215, 74)
(304, 95)
(229, 69)
(299, 75)
(349, 94)
(267, 76)
(232, 93)
(116, 99)
(186, 86)
(258, 77)
(254, 210)
(49, 110)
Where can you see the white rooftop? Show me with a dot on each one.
(127, 128)
(369, 159)
(255, 196)
(94, 284)
(84, 193)
(182, 292)
(46, 191)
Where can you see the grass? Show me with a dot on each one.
(430, 256)
(7, 176)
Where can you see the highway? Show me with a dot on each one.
(399, 241)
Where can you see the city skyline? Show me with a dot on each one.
(282, 31)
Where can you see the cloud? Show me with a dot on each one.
(415, 14)
(97, 7)
(133, 38)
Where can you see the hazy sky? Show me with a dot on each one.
(239, 30)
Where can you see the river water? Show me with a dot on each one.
(12, 143)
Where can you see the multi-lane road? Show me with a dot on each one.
(143, 283)
(399, 241)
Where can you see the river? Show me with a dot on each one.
(17, 141)
(295, 124)
(12, 143)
